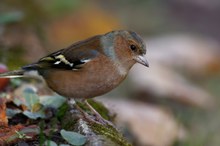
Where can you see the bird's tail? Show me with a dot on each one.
(12, 74)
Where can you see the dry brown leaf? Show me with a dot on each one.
(10, 134)
(14, 134)
(3, 117)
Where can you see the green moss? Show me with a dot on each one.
(65, 117)
(101, 109)
(69, 124)
(83, 106)
(110, 133)
(62, 111)
(68, 121)
(98, 106)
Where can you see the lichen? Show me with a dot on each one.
(83, 127)
(110, 133)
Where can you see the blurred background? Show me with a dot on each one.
(176, 101)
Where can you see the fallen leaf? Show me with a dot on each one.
(50, 143)
(54, 101)
(31, 98)
(34, 115)
(3, 117)
(73, 137)
(14, 134)
(23, 95)
(12, 112)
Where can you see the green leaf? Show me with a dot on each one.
(11, 112)
(50, 143)
(34, 115)
(73, 137)
(18, 100)
(31, 98)
(52, 101)
(64, 145)
(15, 82)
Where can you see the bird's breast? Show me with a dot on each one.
(93, 79)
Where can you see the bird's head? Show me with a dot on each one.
(125, 46)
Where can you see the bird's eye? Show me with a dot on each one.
(133, 47)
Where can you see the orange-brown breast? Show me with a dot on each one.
(93, 79)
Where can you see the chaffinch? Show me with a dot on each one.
(91, 67)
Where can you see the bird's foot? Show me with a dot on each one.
(95, 118)
(98, 118)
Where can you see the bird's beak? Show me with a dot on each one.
(140, 59)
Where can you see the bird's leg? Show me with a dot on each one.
(72, 103)
(100, 120)
(98, 116)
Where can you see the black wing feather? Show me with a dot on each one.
(67, 59)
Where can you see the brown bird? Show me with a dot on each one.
(89, 68)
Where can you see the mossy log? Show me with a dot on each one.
(97, 134)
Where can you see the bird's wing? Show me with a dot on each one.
(67, 59)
